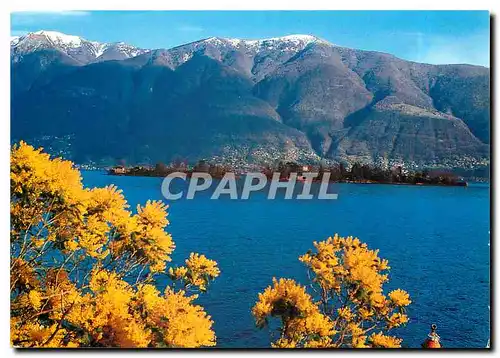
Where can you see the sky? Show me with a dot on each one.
(436, 37)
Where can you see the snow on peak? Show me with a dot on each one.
(290, 44)
(214, 41)
(75, 46)
(294, 38)
(289, 39)
(85, 51)
(99, 48)
(58, 38)
(283, 43)
(297, 40)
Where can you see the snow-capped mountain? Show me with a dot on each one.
(85, 51)
(78, 48)
(291, 43)
(298, 96)
(119, 51)
(256, 58)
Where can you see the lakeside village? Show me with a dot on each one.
(357, 173)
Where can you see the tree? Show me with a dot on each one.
(161, 169)
(201, 167)
(349, 308)
(84, 269)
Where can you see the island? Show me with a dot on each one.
(338, 173)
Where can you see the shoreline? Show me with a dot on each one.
(367, 182)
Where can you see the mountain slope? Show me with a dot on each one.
(39, 52)
(125, 112)
(297, 97)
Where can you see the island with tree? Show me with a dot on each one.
(339, 173)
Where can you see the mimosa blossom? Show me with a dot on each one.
(348, 308)
(84, 267)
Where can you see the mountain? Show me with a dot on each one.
(77, 48)
(44, 53)
(295, 97)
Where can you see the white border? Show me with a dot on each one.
(32, 5)
(46, 5)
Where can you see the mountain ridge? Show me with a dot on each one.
(77, 47)
(336, 103)
(305, 37)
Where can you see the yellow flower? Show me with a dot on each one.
(396, 320)
(378, 300)
(400, 297)
(35, 298)
(177, 273)
(321, 342)
(178, 322)
(284, 297)
(345, 313)
(358, 335)
(71, 245)
(379, 340)
(154, 213)
(108, 203)
(304, 322)
(201, 265)
(365, 313)
(347, 278)
(104, 264)
(284, 343)
(198, 271)
(151, 242)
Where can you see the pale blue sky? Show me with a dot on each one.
(425, 36)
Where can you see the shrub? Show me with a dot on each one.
(349, 308)
(84, 268)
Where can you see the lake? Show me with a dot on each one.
(435, 238)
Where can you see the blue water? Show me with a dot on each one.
(435, 238)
